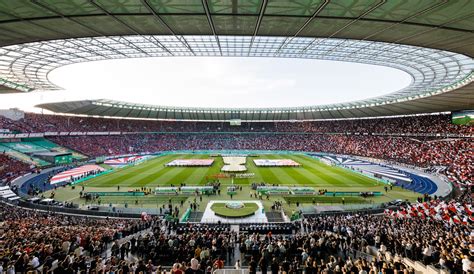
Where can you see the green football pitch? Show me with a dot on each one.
(153, 173)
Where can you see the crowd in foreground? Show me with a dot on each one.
(31, 238)
(319, 244)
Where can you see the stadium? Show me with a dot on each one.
(378, 184)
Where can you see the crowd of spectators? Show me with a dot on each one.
(30, 238)
(432, 242)
(11, 168)
(455, 156)
(378, 137)
(325, 244)
(12, 126)
(319, 244)
(426, 124)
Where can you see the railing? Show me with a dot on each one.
(344, 212)
(355, 254)
(186, 216)
(75, 211)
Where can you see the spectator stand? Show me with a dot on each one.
(389, 174)
(7, 194)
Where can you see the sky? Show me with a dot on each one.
(216, 82)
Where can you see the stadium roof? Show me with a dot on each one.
(40, 35)
(110, 108)
(442, 24)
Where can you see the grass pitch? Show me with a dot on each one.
(154, 173)
(312, 173)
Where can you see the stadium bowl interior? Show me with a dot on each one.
(382, 184)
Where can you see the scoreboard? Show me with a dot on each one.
(63, 159)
